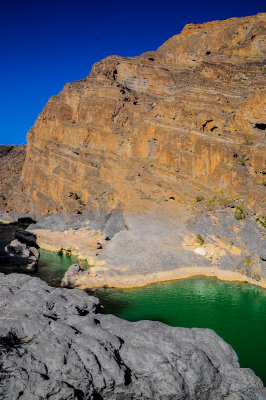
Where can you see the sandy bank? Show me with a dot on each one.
(98, 280)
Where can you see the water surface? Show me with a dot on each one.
(52, 266)
(236, 311)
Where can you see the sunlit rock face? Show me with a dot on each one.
(183, 120)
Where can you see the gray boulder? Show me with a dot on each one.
(74, 275)
(27, 238)
(58, 344)
(18, 257)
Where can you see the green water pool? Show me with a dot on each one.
(236, 311)
(52, 266)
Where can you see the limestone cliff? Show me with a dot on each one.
(186, 120)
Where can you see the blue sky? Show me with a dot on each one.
(44, 45)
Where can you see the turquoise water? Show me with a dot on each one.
(52, 266)
(236, 311)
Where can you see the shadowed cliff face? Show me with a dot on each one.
(11, 163)
(184, 120)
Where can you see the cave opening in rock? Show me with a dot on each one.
(260, 126)
(203, 126)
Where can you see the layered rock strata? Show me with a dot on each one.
(185, 120)
(58, 344)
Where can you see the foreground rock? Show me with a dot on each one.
(18, 257)
(57, 344)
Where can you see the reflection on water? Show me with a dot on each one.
(236, 311)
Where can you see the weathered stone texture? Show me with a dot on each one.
(58, 344)
(185, 119)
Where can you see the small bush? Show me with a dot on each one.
(248, 140)
(262, 221)
(199, 198)
(126, 227)
(80, 201)
(240, 212)
(199, 239)
(241, 159)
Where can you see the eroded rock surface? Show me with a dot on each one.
(58, 344)
(170, 243)
(18, 257)
(185, 120)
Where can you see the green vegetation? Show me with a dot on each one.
(220, 201)
(126, 227)
(225, 201)
(212, 201)
(248, 140)
(80, 201)
(73, 121)
(199, 239)
(167, 188)
(240, 212)
(241, 160)
(248, 262)
(199, 198)
(262, 221)
(151, 165)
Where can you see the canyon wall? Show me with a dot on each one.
(11, 162)
(183, 121)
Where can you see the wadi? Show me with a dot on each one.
(150, 169)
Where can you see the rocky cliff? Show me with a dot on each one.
(11, 162)
(58, 344)
(183, 121)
